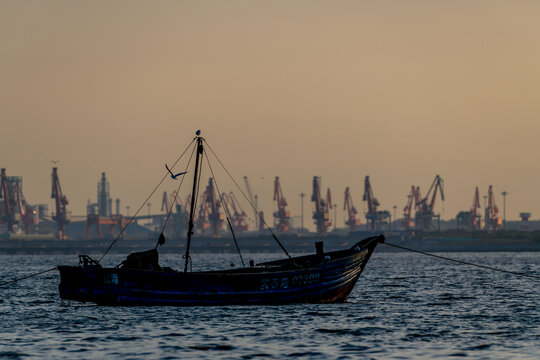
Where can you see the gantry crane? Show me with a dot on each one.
(492, 219)
(237, 215)
(61, 216)
(351, 221)
(282, 215)
(424, 213)
(375, 218)
(412, 200)
(321, 215)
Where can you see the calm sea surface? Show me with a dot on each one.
(404, 306)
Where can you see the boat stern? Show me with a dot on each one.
(88, 284)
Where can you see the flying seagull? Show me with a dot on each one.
(174, 176)
(55, 161)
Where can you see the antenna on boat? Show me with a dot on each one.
(195, 192)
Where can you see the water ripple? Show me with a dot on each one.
(404, 306)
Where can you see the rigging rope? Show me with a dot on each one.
(175, 196)
(463, 262)
(28, 276)
(143, 204)
(226, 210)
(249, 202)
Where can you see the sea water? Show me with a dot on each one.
(404, 306)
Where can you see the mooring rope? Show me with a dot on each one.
(28, 276)
(463, 262)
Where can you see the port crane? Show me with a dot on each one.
(282, 215)
(470, 220)
(375, 218)
(475, 216)
(352, 221)
(61, 216)
(209, 215)
(186, 203)
(238, 216)
(258, 215)
(424, 213)
(26, 212)
(7, 211)
(492, 219)
(172, 202)
(321, 215)
(15, 209)
(201, 220)
(165, 205)
(412, 200)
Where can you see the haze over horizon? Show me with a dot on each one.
(399, 91)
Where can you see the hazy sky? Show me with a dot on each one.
(398, 90)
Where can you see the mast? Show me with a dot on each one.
(193, 195)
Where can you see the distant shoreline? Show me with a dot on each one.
(432, 242)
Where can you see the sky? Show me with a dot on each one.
(397, 90)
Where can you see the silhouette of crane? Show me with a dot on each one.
(321, 215)
(376, 219)
(351, 221)
(492, 219)
(61, 215)
(282, 215)
(424, 213)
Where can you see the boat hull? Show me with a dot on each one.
(324, 278)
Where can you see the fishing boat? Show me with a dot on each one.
(323, 277)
